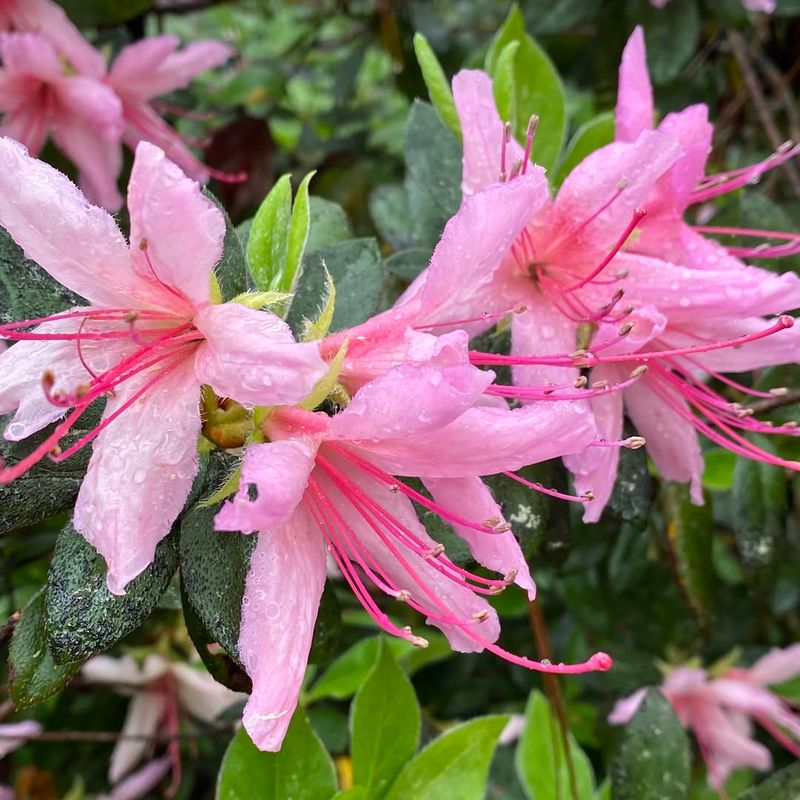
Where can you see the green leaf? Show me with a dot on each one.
(26, 290)
(389, 208)
(231, 271)
(654, 760)
(537, 89)
(433, 178)
(454, 765)
(591, 136)
(298, 235)
(214, 566)
(82, 616)
(438, 86)
(348, 672)
(505, 84)
(689, 535)
(407, 264)
(633, 490)
(353, 793)
(782, 785)
(719, 468)
(47, 488)
(301, 770)
(33, 674)
(268, 244)
(357, 271)
(94, 13)
(329, 224)
(760, 496)
(385, 724)
(540, 758)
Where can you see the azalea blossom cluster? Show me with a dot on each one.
(617, 305)
(55, 84)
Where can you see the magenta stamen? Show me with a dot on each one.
(537, 487)
(503, 151)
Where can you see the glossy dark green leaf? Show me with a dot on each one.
(591, 136)
(92, 13)
(231, 270)
(389, 208)
(385, 725)
(329, 224)
(456, 764)
(783, 785)
(654, 760)
(33, 674)
(83, 617)
(407, 264)
(302, 770)
(633, 490)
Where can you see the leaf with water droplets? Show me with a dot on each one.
(231, 270)
(33, 674)
(83, 617)
(654, 760)
(783, 785)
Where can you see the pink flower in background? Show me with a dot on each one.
(146, 341)
(152, 67)
(721, 711)
(15, 734)
(767, 6)
(39, 98)
(330, 482)
(162, 692)
(49, 19)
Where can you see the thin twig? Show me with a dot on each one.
(778, 401)
(111, 736)
(740, 53)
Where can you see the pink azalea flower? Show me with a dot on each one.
(721, 712)
(330, 482)
(162, 692)
(140, 783)
(573, 263)
(147, 339)
(40, 97)
(13, 735)
(152, 67)
(49, 19)
(767, 6)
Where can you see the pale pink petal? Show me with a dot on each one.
(483, 131)
(32, 54)
(487, 440)
(79, 244)
(648, 324)
(144, 715)
(99, 162)
(684, 680)
(28, 125)
(93, 103)
(625, 709)
(279, 472)
(136, 62)
(141, 782)
(671, 439)
(470, 499)
(23, 365)
(252, 357)
(777, 666)
(670, 239)
(14, 90)
(415, 397)
(406, 569)
(595, 468)
(584, 211)
(513, 729)
(176, 232)
(542, 330)
(180, 68)
(13, 735)
(141, 471)
(49, 18)
(282, 594)
(123, 671)
(201, 695)
(634, 112)
(143, 124)
(767, 6)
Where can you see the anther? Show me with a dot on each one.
(435, 552)
(520, 308)
(621, 273)
(622, 185)
(503, 527)
(131, 317)
(48, 380)
(639, 371)
(394, 488)
(403, 596)
(634, 442)
(511, 576)
(417, 641)
(491, 522)
(785, 147)
(625, 329)
(600, 384)
(143, 244)
(779, 391)
(588, 495)
(581, 382)
(481, 616)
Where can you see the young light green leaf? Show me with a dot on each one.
(320, 327)
(505, 92)
(301, 770)
(538, 89)
(654, 760)
(540, 758)
(268, 245)
(230, 273)
(385, 725)
(591, 136)
(438, 86)
(33, 674)
(454, 765)
(298, 236)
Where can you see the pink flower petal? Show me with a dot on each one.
(141, 472)
(112, 671)
(180, 68)
(471, 499)
(201, 695)
(282, 594)
(85, 250)
(141, 782)
(29, 126)
(482, 130)
(634, 112)
(134, 65)
(30, 54)
(144, 715)
(625, 709)
(279, 471)
(251, 356)
(93, 103)
(176, 232)
(15, 734)
(671, 439)
(776, 666)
